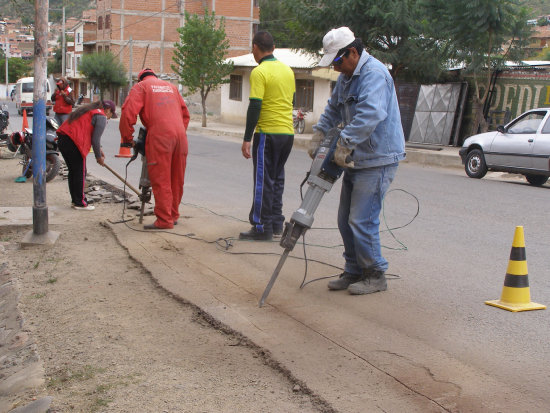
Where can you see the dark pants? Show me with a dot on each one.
(76, 165)
(269, 154)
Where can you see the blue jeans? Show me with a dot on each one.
(361, 199)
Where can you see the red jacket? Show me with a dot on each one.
(80, 131)
(161, 109)
(60, 105)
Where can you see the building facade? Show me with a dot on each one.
(142, 33)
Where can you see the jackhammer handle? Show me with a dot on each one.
(122, 179)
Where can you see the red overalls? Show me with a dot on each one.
(163, 112)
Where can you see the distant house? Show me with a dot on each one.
(313, 85)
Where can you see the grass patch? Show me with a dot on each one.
(99, 403)
(65, 376)
(38, 295)
(36, 264)
(51, 280)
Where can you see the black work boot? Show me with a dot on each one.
(343, 281)
(255, 235)
(372, 282)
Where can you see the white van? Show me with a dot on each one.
(24, 91)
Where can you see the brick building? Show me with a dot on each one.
(152, 27)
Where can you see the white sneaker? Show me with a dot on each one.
(84, 208)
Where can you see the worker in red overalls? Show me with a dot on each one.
(63, 98)
(163, 112)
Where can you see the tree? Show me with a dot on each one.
(54, 64)
(199, 56)
(390, 30)
(278, 19)
(484, 34)
(17, 68)
(103, 70)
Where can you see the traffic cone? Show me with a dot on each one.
(25, 120)
(124, 151)
(515, 293)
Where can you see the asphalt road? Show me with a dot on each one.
(447, 262)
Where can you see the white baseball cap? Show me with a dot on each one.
(333, 41)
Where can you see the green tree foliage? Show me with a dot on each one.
(103, 70)
(389, 29)
(17, 68)
(199, 55)
(280, 21)
(24, 9)
(543, 55)
(484, 34)
(54, 63)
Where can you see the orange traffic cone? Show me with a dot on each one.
(124, 151)
(25, 120)
(515, 293)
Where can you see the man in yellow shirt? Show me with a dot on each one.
(272, 89)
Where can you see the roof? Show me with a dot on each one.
(296, 59)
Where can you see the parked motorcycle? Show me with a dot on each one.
(4, 122)
(22, 141)
(298, 120)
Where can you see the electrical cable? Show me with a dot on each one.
(224, 244)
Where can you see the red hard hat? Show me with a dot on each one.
(144, 72)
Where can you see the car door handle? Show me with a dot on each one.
(530, 140)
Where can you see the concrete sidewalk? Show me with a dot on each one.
(430, 155)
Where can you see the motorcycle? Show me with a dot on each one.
(4, 122)
(298, 121)
(21, 141)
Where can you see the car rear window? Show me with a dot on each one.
(27, 87)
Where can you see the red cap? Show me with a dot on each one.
(145, 72)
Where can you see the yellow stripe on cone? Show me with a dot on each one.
(515, 293)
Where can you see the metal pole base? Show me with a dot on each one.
(48, 238)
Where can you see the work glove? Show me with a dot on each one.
(315, 142)
(342, 156)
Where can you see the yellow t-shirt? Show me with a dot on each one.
(272, 82)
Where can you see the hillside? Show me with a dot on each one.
(25, 9)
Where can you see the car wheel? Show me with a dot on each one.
(537, 180)
(475, 165)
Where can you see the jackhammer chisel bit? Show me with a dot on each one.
(322, 175)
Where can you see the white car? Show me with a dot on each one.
(522, 146)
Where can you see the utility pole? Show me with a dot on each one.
(7, 56)
(40, 233)
(63, 45)
(131, 62)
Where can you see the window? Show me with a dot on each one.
(78, 37)
(527, 124)
(546, 127)
(304, 94)
(236, 87)
(108, 21)
(100, 23)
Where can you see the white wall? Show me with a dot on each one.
(234, 112)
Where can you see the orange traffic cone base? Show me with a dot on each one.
(515, 307)
(124, 153)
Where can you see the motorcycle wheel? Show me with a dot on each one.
(53, 164)
(301, 126)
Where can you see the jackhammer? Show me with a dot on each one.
(320, 178)
(144, 182)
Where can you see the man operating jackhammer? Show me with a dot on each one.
(370, 147)
(163, 112)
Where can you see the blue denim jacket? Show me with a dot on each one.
(367, 106)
